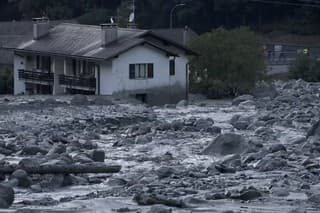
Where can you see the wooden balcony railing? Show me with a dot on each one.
(36, 76)
(72, 82)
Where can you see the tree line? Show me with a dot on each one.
(200, 15)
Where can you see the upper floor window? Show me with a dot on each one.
(172, 67)
(140, 71)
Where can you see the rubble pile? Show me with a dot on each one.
(260, 152)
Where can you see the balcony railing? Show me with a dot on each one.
(77, 82)
(36, 76)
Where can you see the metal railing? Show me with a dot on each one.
(36, 76)
(73, 81)
(285, 57)
(281, 58)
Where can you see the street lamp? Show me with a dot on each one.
(172, 11)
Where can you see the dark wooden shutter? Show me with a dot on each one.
(132, 71)
(150, 70)
(172, 67)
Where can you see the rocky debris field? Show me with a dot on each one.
(256, 153)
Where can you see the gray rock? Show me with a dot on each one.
(100, 100)
(239, 122)
(270, 163)
(29, 162)
(117, 182)
(182, 103)
(33, 150)
(277, 147)
(226, 144)
(82, 158)
(150, 199)
(22, 177)
(241, 99)
(98, 155)
(159, 209)
(57, 149)
(250, 195)
(224, 169)
(79, 100)
(315, 199)
(165, 172)
(264, 90)
(143, 139)
(6, 196)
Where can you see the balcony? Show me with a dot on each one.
(36, 77)
(73, 82)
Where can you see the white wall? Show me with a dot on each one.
(58, 69)
(106, 78)
(19, 85)
(146, 54)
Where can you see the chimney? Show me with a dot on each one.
(186, 38)
(109, 33)
(41, 27)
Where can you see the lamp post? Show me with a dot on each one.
(172, 11)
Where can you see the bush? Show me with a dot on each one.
(231, 60)
(306, 68)
(6, 81)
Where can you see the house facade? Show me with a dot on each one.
(101, 60)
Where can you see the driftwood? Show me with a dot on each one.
(63, 169)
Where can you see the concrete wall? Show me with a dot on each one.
(162, 88)
(19, 86)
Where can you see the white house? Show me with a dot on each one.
(101, 60)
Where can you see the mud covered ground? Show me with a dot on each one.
(251, 154)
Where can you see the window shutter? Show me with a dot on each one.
(172, 67)
(132, 71)
(150, 70)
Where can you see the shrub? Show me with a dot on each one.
(306, 68)
(6, 81)
(234, 58)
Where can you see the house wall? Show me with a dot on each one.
(161, 89)
(106, 78)
(19, 86)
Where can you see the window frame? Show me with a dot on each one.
(172, 67)
(141, 71)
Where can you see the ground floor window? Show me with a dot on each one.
(140, 71)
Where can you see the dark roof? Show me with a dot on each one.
(77, 40)
(177, 34)
(14, 33)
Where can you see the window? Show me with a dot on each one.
(74, 67)
(140, 71)
(38, 62)
(172, 67)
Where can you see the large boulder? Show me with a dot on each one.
(264, 90)
(314, 130)
(22, 177)
(226, 144)
(6, 196)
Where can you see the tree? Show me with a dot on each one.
(230, 61)
(306, 68)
